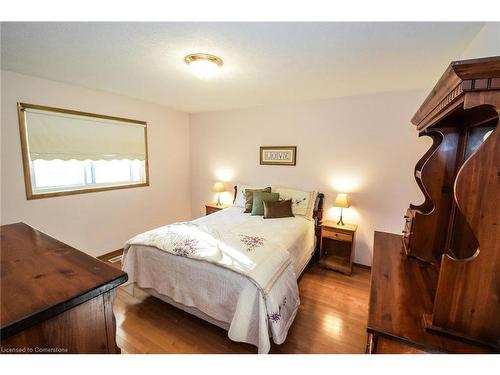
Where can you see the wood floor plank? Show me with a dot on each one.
(332, 318)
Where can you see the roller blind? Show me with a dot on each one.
(53, 135)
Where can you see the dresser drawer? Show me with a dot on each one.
(334, 235)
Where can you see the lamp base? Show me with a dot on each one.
(340, 222)
(218, 200)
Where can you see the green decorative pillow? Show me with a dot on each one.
(259, 197)
(278, 209)
(248, 193)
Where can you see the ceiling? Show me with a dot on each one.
(264, 63)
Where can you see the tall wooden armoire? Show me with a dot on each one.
(455, 232)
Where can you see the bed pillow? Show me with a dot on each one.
(259, 197)
(240, 194)
(278, 209)
(302, 201)
(248, 193)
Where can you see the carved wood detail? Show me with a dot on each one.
(434, 175)
(449, 91)
(467, 302)
(457, 227)
(481, 84)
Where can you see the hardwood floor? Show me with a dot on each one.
(332, 318)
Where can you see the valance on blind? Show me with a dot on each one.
(53, 135)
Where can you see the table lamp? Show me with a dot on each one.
(218, 188)
(342, 202)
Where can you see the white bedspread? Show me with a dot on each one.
(255, 293)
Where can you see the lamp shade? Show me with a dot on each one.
(219, 187)
(341, 201)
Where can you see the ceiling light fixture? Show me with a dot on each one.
(204, 66)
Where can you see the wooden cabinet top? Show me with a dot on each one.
(42, 277)
(460, 78)
(402, 290)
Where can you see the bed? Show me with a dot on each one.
(230, 268)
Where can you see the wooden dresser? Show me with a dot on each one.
(54, 298)
(402, 290)
(438, 289)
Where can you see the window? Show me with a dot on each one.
(69, 152)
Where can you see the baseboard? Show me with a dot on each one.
(362, 266)
(108, 257)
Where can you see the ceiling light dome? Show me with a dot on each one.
(204, 66)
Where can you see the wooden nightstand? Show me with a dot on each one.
(337, 246)
(212, 207)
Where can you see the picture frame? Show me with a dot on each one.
(278, 155)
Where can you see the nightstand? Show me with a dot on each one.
(337, 246)
(212, 207)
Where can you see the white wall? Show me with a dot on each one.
(486, 43)
(96, 222)
(362, 145)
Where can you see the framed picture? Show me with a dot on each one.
(278, 155)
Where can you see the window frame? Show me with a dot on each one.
(27, 164)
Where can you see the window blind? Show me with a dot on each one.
(53, 135)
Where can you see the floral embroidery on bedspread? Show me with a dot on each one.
(252, 242)
(185, 248)
(276, 316)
